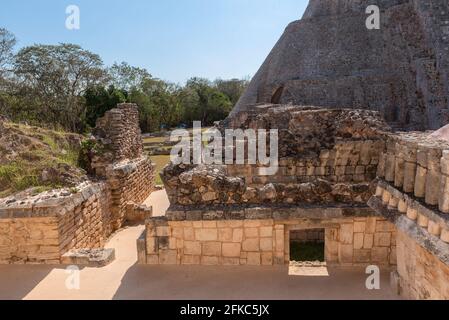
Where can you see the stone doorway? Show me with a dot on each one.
(307, 245)
(307, 251)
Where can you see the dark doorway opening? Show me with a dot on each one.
(276, 98)
(307, 245)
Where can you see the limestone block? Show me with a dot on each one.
(152, 245)
(346, 253)
(279, 240)
(206, 234)
(230, 224)
(420, 182)
(371, 223)
(152, 259)
(332, 251)
(251, 245)
(381, 166)
(399, 172)
(266, 258)
(393, 203)
(432, 187)
(253, 259)
(266, 231)
(368, 241)
(379, 192)
(225, 234)
(443, 201)
(390, 165)
(423, 221)
(359, 226)
(362, 256)
(190, 260)
(230, 261)
(163, 231)
(251, 232)
(231, 250)
(358, 240)
(237, 235)
(412, 214)
(168, 257)
(445, 235)
(210, 261)
(211, 249)
(409, 177)
(386, 197)
(192, 247)
(347, 233)
(266, 244)
(382, 239)
(384, 226)
(380, 254)
(434, 228)
(402, 206)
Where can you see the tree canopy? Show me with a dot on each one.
(68, 87)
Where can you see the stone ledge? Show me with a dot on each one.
(52, 207)
(276, 212)
(95, 258)
(432, 243)
(412, 202)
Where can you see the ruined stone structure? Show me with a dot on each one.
(330, 86)
(331, 60)
(70, 226)
(232, 215)
(413, 193)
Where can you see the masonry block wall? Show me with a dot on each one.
(43, 231)
(119, 158)
(348, 242)
(413, 194)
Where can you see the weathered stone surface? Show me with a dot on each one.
(332, 36)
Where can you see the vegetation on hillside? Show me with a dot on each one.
(65, 86)
(36, 157)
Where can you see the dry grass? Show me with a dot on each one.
(30, 150)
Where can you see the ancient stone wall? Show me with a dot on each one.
(331, 60)
(325, 156)
(118, 157)
(348, 241)
(412, 194)
(46, 227)
(422, 275)
(43, 228)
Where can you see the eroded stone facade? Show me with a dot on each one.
(348, 241)
(46, 227)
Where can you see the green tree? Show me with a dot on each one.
(55, 77)
(204, 102)
(233, 88)
(127, 77)
(99, 100)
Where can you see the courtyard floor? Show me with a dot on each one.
(124, 279)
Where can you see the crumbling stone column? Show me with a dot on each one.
(443, 201)
(421, 173)
(399, 165)
(410, 155)
(433, 176)
(390, 161)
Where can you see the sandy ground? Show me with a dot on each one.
(124, 279)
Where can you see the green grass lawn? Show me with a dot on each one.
(161, 162)
(307, 251)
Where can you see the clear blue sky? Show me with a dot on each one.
(173, 39)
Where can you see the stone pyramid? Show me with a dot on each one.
(330, 59)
